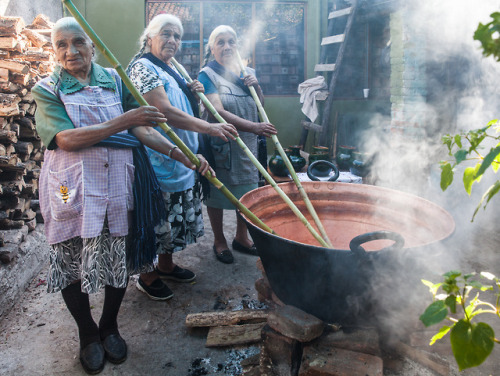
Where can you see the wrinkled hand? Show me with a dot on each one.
(147, 116)
(250, 80)
(264, 129)
(196, 87)
(204, 166)
(223, 130)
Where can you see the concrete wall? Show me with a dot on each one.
(29, 9)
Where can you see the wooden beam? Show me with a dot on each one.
(219, 318)
(234, 335)
(333, 39)
(340, 13)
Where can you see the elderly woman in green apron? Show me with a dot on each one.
(229, 93)
(98, 193)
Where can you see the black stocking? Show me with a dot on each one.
(112, 301)
(79, 307)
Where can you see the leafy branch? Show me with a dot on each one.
(467, 147)
(471, 343)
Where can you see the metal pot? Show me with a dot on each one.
(373, 231)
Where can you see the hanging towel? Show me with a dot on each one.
(308, 91)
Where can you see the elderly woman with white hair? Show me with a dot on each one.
(99, 197)
(229, 93)
(153, 73)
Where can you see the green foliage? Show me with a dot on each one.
(488, 36)
(471, 343)
(466, 147)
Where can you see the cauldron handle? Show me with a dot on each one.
(322, 162)
(357, 249)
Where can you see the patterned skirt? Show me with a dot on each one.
(184, 223)
(97, 262)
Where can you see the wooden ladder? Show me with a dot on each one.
(327, 66)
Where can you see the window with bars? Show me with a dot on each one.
(272, 37)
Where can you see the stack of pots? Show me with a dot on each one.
(349, 159)
(277, 165)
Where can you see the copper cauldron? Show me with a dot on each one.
(376, 232)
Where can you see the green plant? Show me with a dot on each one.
(468, 147)
(471, 342)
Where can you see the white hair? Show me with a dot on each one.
(221, 29)
(155, 25)
(66, 23)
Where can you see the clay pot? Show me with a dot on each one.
(344, 157)
(298, 161)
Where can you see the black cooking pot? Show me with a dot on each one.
(375, 232)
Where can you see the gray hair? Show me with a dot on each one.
(153, 29)
(221, 29)
(155, 25)
(68, 23)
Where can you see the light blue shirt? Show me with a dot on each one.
(172, 175)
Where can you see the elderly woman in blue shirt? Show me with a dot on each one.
(89, 187)
(162, 86)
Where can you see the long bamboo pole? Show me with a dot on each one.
(116, 64)
(254, 160)
(288, 164)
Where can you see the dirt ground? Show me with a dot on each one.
(39, 337)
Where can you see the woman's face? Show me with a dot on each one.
(166, 43)
(74, 52)
(224, 48)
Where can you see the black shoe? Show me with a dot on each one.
(225, 256)
(178, 274)
(115, 348)
(237, 246)
(157, 291)
(92, 358)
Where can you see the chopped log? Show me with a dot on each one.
(14, 127)
(41, 21)
(15, 66)
(11, 175)
(31, 189)
(21, 47)
(28, 134)
(26, 122)
(31, 224)
(36, 39)
(11, 26)
(8, 253)
(11, 202)
(231, 335)
(46, 67)
(218, 318)
(4, 76)
(13, 188)
(20, 79)
(8, 43)
(38, 156)
(10, 224)
(33, 54)
(9, 150)
(8, 162)
(4, 54)
(3, 151)
(9, 104)
(10, 88)
(28, 215)
(31, 110)
(22, 92)
(28, 98)
(4, 122)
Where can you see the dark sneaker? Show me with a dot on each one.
(178, 274)
(157, 291)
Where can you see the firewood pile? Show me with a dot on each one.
(26, 56)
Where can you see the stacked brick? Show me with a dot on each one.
(26, 56)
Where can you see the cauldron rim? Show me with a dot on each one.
(332, 186)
